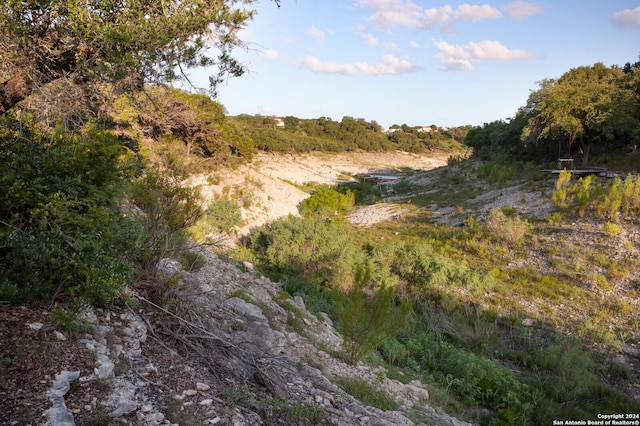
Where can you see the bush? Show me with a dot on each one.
(368, 320)
(61, 232)
(168, 209)
(310, 247)
(327, 202)
(424, 269)
(512, 230)
(222, 215)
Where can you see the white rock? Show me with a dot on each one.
(60, 336)
(190, 392)
(35, 325)
(202, 386)
(207, 401)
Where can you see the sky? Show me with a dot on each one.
(419, 62)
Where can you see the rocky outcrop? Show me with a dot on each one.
(228, 343)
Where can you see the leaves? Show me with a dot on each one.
(121, 43)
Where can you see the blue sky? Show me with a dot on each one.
(419, 62)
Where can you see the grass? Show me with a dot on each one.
(367, 393)
(556, 270)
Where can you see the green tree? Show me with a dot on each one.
(586, 106)
(127, 43)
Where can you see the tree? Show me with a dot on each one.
(586, 106)
(126, 43)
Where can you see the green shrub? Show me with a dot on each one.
(303, 247)
(191, 260)
(368, 320)
(61, 233)
(367, 393)
(168, 210)
(222, 215)
(424, 269)
(326, 201)
(511, 229)
(497, 172)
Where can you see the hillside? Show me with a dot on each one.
(270, 187)
(222, 344)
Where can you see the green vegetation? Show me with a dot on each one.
(61, 232)
(510, 320)
(349, 134)
(367, 392)
(368, 322)
(471, 289)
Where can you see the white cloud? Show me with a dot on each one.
(627, 17)
(315, 65)
(521, 9)
(414, 43)
(461, 57)
(369, 38)
(319, 35)
(270, 54)
(473, 13)
(389, 13)
(390, 65)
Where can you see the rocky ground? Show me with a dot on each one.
(230, 350)
(236, 353)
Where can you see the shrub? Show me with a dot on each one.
(509, 229)
(424, 269)
(168, 209)
(327, 202)
(61, 232)
(297, 246)
(368, 320)
(222, 215)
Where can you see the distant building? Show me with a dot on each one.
(278, 122)
(426, 129)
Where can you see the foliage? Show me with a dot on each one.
(93, 42)
(367, 393)
(497, 172)
(199, 124)
(608, 199)
(587, 106)
(368, 317)
(222, 215)
(168, 209)
(192, 260)
(311, 247)
(327, 202)
(350, 134)
(62, 234)
(511, 229)
(424, 269)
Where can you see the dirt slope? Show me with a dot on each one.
(266, 188)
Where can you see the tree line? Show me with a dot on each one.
(588, 110)
(348, 134)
